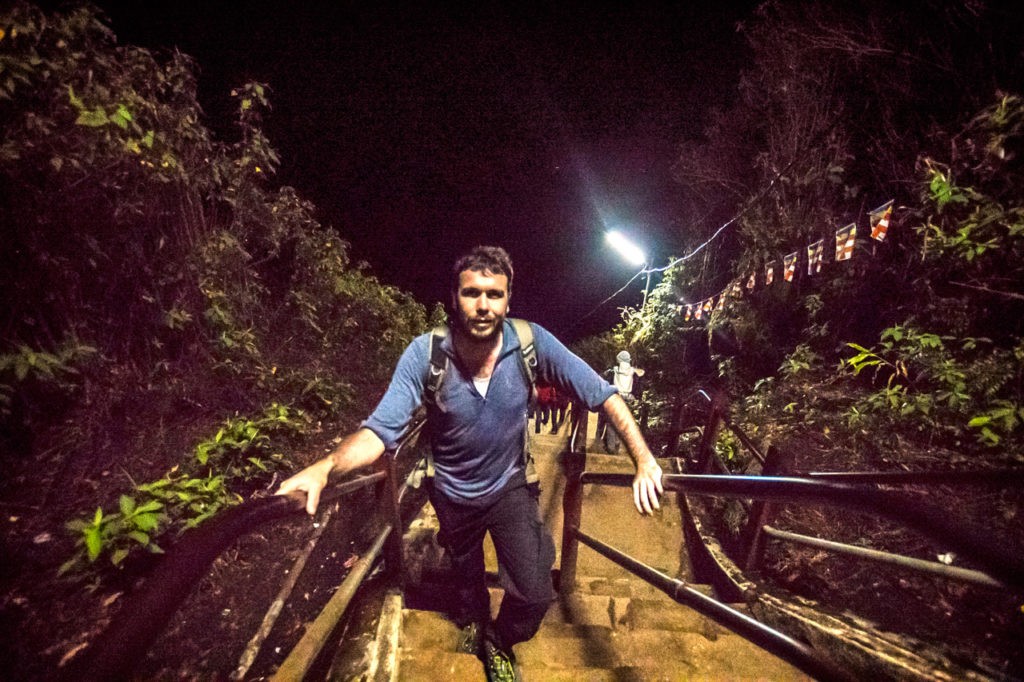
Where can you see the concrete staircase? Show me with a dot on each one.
(612, 626)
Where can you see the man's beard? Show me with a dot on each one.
(481, 334)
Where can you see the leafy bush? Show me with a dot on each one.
(174, 503)
(941, 383)
(244, 449)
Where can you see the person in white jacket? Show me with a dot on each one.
(622, 376)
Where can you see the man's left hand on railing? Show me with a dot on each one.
(647, 486)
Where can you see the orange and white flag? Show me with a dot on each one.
(846, 237)
(689, 312)
(769, 273)
(789, 266)
(815, 252)
(879, 219)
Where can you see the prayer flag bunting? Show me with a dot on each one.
(752, 281)
(789, 266)
(879, 219)
(698, 311)
(846, 237)
(709, 305)
(689, 312)
(721, 301)
(769, 273)
(815, 252)
(737, 289)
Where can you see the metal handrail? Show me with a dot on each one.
(921, 565)
(796, 653)
(775, 642)
(1004, 566)
(1001, 476)
(122, 645)
(998, 560)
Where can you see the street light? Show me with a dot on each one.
(627, 249)
(632, 253)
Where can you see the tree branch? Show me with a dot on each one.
(1008, 294)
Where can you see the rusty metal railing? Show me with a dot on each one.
(574, 462)
(1001, 561)
(119, 649)
(1003, 566)
(778, 643)
(777, 463)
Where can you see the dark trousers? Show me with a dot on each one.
(525, 551)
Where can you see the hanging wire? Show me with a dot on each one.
(749, 204)
(594, 309)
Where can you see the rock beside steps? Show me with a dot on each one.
(608, 629)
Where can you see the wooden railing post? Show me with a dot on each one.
(574, 463)
(775, 464)
(393, 551)
(707, 441)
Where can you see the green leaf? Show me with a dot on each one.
(139, 537)
(122, 117)
(147, 521)
(73, 98)
(150, 506)
(92, 119)
(118, 555)
(93, 543)
(127, 505)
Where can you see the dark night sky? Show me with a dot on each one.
(421, 132)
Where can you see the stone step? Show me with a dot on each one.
(435, 664)
(616, 674)
(429, 649)
(609, 464)
(693, 654)
(665, 614)
(587, 609)
(610, 517)
(428, 630)
(629, 587)
(560, 645)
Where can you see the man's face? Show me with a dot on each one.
(481, 301)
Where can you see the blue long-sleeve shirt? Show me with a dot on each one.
(477, 441)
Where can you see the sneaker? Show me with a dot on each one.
(500, 666)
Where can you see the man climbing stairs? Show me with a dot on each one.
(610, 626)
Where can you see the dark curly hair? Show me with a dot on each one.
(489, 259)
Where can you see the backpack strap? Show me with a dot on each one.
(528, 362)
(436, 370)
(527, 355)
(438, 367)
